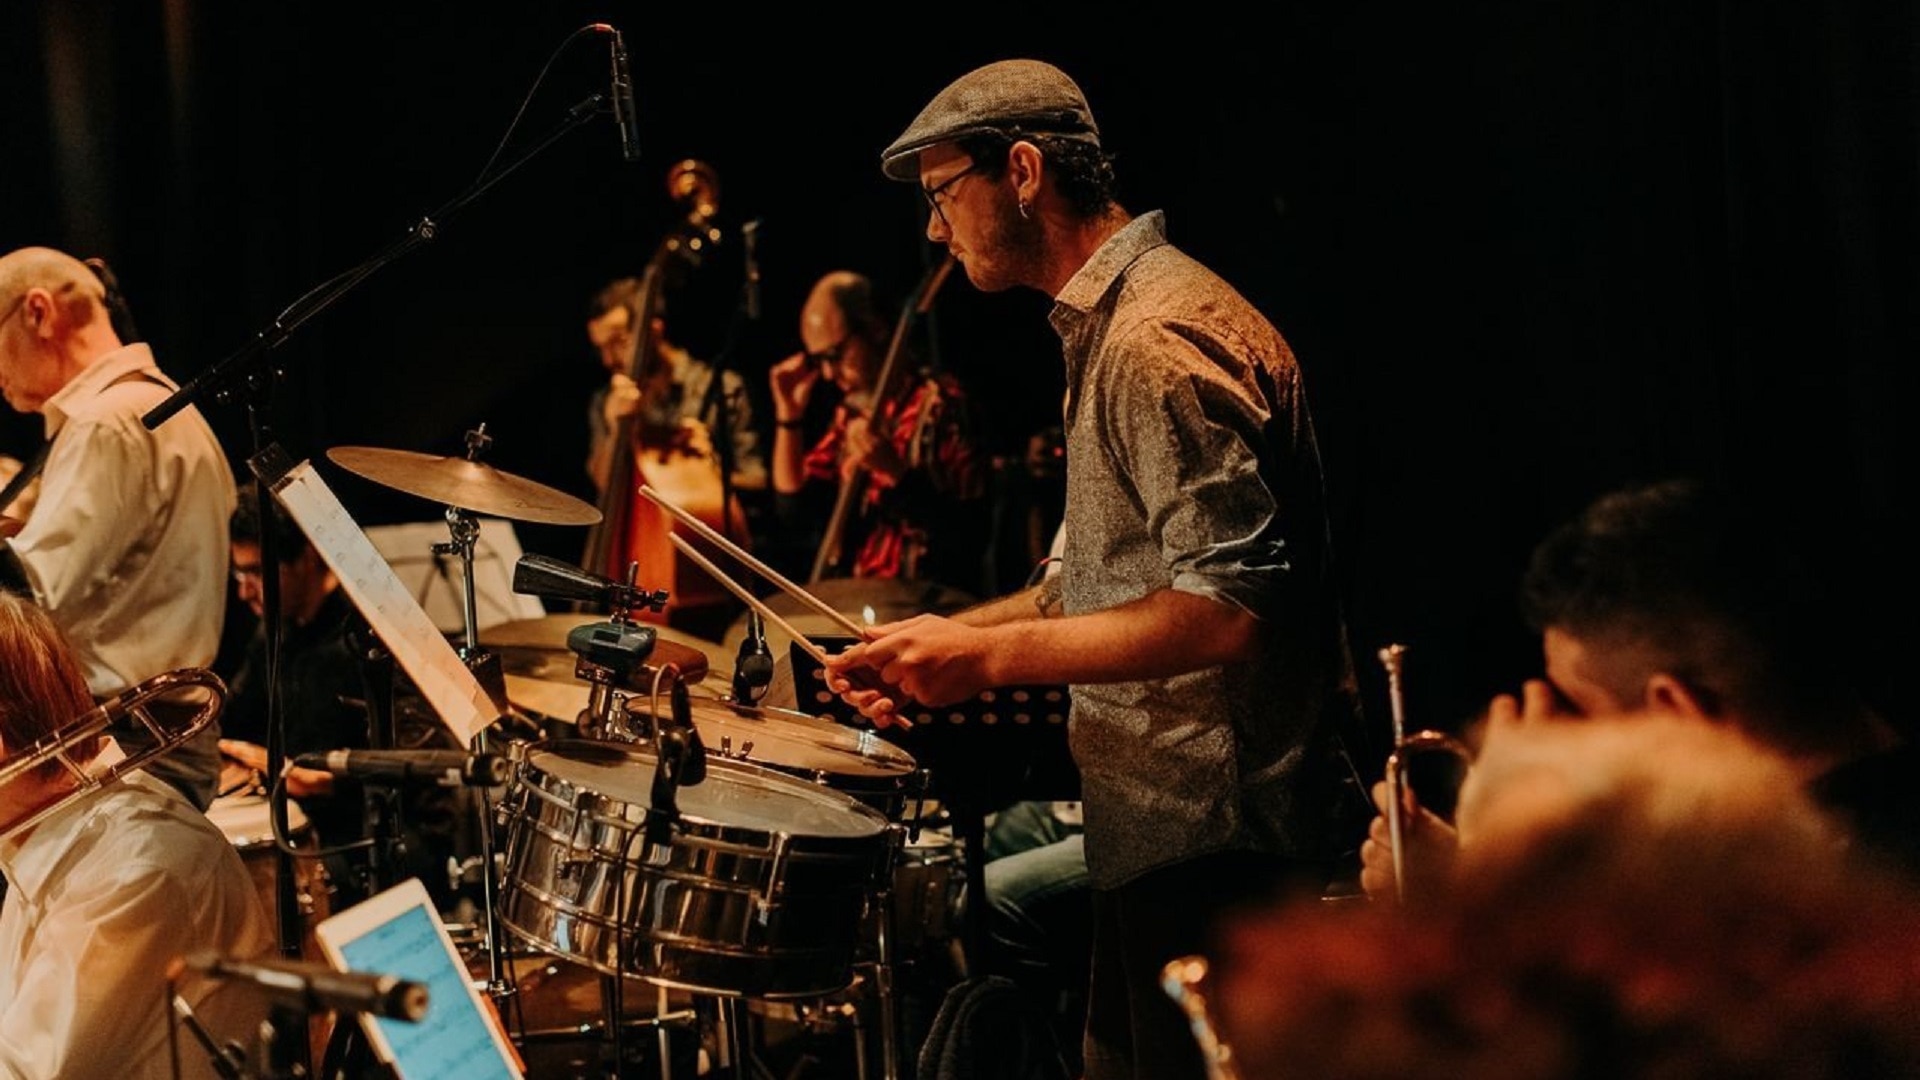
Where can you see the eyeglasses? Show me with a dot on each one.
(246, 573)
(830, 354)
(933, 194)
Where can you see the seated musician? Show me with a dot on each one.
(106, 891)
(323, 700)
(910, 452)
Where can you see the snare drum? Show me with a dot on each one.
(847, 759)
(759, 890)
(246, 822)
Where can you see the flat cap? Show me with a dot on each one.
(1030, 96)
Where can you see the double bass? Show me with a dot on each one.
(884, 386)
(678, 460)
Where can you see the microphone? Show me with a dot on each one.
(753, 665)
(447, 768)
(623, 111)
(749, 233)
(316, 987)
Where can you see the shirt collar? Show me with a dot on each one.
(1091, 281)
(29, 858)
(96, 377)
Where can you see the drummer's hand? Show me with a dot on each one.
(248, 755)
(301, 782)
(791, 382)
(237, 779)
(929, 659)
(866, 450)
(622, 401)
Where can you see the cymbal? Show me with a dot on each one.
(537, 648)
(469, 485)
(558, 695)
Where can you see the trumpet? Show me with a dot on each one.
(1401, 800)
(195, 689)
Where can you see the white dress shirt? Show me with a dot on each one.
(127, 546)
(103, 895)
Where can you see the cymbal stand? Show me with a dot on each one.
(463, 528)
(883, 970)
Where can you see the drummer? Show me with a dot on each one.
(323, 707)
(910, 454)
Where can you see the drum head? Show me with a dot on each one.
(733, 794)
(246, 820)
(795, 742)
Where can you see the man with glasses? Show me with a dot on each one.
(1195, 615)
(126, 544)
(910, 452)
(324, 674)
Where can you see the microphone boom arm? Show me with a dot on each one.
(241, 367)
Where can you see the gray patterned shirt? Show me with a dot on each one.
(1192, 465)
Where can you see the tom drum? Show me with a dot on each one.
(758, 890)
(855, 761)
(245, 820)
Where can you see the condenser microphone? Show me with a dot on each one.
(317, 987)
(623, 111)
(446, 768)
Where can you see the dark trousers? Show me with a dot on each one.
(1134, 1029)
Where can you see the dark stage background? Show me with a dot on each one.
(1526, 251)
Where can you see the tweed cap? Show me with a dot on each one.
(1027, 95)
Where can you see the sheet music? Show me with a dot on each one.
(415, 642)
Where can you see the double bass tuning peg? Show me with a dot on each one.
(693, 184)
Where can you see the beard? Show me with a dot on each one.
(1010, 253)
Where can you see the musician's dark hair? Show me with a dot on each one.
(1082, 171)
(245, 526)
(1697, 575)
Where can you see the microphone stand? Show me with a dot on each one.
(286, 898)
(219, 381)
(716, 399)
(246, 371)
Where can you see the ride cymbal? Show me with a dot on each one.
(469, 485)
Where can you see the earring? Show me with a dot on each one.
(1026, 212)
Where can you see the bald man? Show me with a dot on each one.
(126, 546)
(912, 452)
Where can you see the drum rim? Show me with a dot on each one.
(780, 780)
(857, 744)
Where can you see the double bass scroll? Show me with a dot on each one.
(677, 459)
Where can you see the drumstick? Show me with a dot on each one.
(819, 655)
(753, 564)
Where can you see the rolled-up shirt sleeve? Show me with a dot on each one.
(1187, 429)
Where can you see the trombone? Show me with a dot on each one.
(197, 688)
(1401, 800)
